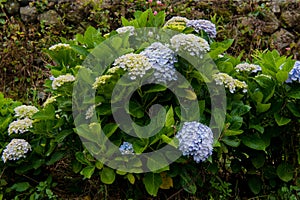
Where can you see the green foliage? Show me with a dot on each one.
(257, 146)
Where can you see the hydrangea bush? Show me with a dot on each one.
(255, 145)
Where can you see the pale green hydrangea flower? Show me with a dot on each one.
(194, 45)
(135, 64)
(176, 23)
(246, 67)
(101, 80)
(25, 111)
(15, 150)
(229, 82)
(59, 46)
(49, 101)
(20, 126)
(60, 80)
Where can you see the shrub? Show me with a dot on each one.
(166, 107)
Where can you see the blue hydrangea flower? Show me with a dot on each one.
(196, 140)
(126, 148)
(204, 25)
(294, 74)
(162, 60)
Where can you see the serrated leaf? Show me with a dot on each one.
(88, 171)
(285, 172)
(255, 184)
(258, 160)
(255, 141)
(20, 187)
(152, 182)
(107, 175)
(280, 120)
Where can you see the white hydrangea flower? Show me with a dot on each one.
(229, 82)
(89, 113)
(162, 60)
(246, 67)
(15, 150)
(20, 126)
(101, 80)
(60, 80)
(49, 101)
(59, 46)
(25, 111)
(196, 140)
(136, 64)
(125, 29)
(194, 45)
(204, 25)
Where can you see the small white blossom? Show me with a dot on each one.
(59, 81)
(196, 140)
(229, 82)
(194, 45)
(125, 29)
(89, 113)
(246, 67)
(20, 126)
(205, 25)
(15, 150)
(59, 46)
(136, 64)
(25, 111)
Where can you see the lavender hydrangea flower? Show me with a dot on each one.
(126, 148)
(205, 25)
(294, 74)
(196, 140)
(15, 150)
(162, 60)
(194, 45)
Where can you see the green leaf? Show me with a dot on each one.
(62, 135)
(107, 175)
(255, 184)
(260, 107)
(76, 166)
(293, 108)
(217, 48)
(156, 88)
(282, 76)
(285, 172)
(88, 171)
(110, 128)
(228, 132)
(56, 157)
(170, 118)
(130, 178)
(259, 160)
(156, 162)
(280, 120)
(82, 159)
(231, 141)
(152, 182)
(255, 141)
(20, 187)
(294, 93)
(48, 113)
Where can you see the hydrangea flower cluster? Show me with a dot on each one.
(176, 23)
(125, 29)
(59, 46)
(89, 113)
(196, 140)
(101, 80)
(135, 64)
(126, 148)
(25, 111)
(49, 101)
(246, 67)
(60, 80)
(203, 25)
(20, 126)
(15, 150)
(162, 60)
(229, 82)
(194, 45)
(294, 74)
